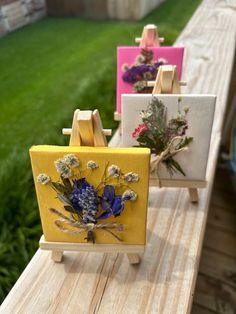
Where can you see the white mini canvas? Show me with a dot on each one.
(200, 119)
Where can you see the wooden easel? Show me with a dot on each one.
(167, 83)
(150, 38)
(87, 130)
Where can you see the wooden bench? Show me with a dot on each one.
(164, 281)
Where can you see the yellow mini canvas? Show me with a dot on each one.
(91, 194)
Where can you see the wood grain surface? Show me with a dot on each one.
(164, 282)
(216, 281)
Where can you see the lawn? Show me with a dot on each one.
(46, 71)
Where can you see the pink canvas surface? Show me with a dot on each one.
(127, 55)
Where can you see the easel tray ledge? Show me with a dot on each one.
(89, 247)
(178, 183)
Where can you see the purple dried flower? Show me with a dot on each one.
(112, 204)
(139, 73)
(84, 198)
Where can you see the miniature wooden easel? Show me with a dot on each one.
(167, 83)
(87, 130)
(150, 38)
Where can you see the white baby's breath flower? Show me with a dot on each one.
(60, 165)
(129, 195)
(43, 178)
(140, 59)
(92, 165)
(145, 114)
(63, 168)
(131, 177)
(186, 109)
(142, 114)
(71, 160)
(162, 60)
(114, 171)
(125, 67)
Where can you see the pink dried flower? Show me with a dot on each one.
(139, 130)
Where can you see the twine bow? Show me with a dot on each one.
(63, 222)
(170, 151)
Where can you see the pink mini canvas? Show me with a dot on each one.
(136, 65)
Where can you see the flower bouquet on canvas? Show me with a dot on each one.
(92, 196)
(177, 129)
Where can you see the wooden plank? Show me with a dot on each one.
(101, 9)
(220, 218)
(218, 266)
(130, 9)
(220, 241)
(199, 309)
(223, 175)
(164, 281)
(215, 295)
(224, 200)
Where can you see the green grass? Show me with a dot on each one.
(46, 71)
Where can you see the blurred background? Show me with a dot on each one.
(59, 55)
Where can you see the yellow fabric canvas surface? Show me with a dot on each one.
(134, 215)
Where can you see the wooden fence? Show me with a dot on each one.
(103, 9)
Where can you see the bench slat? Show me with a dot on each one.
(165, 280)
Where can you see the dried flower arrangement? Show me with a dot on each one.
(164, 138)
(144, 70)
(89, 205)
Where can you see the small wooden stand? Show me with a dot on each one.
(87, 130)
(167, 83)
(149, 39)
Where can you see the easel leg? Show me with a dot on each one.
(193, 195)
(57, 256)
(133, 258)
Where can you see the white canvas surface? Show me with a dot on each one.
(200, 119)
